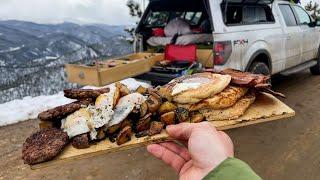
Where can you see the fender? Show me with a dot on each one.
(256, 54)
(253, 51)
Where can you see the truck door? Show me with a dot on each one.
(309, 34)
(292, 36)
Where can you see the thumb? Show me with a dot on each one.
(180, 131)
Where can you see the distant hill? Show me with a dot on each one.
(32, 55)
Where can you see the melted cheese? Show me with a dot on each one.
(125, 106)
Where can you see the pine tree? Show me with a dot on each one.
(313, 8)
(136, 12)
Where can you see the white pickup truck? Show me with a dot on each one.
(260, 36)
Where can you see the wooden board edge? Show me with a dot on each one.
(162, 139)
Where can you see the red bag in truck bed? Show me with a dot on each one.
(181, 53)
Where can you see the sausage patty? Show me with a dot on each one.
(44, 146)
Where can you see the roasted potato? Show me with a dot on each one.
(124, 135)
(143, 124)
(124, 90)
(142, 90)
(153, 104)
(143, 109)
(197, 118)
(81, 141)
(166, 107)
(117, 95)
(168, 118)
(155, 128)
(165, 94)
(182, 115)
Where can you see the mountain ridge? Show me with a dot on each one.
(31, 51)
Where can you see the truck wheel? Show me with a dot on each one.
(315, 70)
(260, 68)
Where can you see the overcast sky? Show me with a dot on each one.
(112, 12)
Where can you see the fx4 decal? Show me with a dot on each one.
(241, 42)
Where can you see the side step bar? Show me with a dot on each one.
(299, 67)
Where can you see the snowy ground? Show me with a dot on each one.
(29, 107)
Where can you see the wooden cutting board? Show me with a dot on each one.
(266, 108)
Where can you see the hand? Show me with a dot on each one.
(204, 149)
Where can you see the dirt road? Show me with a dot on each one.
(276, 150)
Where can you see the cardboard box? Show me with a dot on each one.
(101, 74)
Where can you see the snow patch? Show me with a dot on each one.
(51, 57)
(29, 107)
(11, 49)
(2, 63)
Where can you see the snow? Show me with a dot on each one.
(11, 49)
(29, 107)
(51, 57)
(2, 63)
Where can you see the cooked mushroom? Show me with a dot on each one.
(197, 118)
(155, 128)
(124, 135)
(142, 90)
(182, 115)
(143, 124)
(81, 141)
(153, 104)
(125, 123)
(143, 109)
(113, 129)
(166, 107)
(142, 134)
(101, 135)
(168, 118)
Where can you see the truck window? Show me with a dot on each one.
(303, 16)
(288, 15)
(157, 19)
(161, 18)
(247, 14)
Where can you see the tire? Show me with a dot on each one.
(315, 70)
(259, 68)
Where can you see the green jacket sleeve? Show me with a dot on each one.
(232, 169)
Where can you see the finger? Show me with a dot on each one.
(167, 156)
(181, 151)
(180, 131)
(226, 140)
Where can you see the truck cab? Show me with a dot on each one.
(260, 36)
